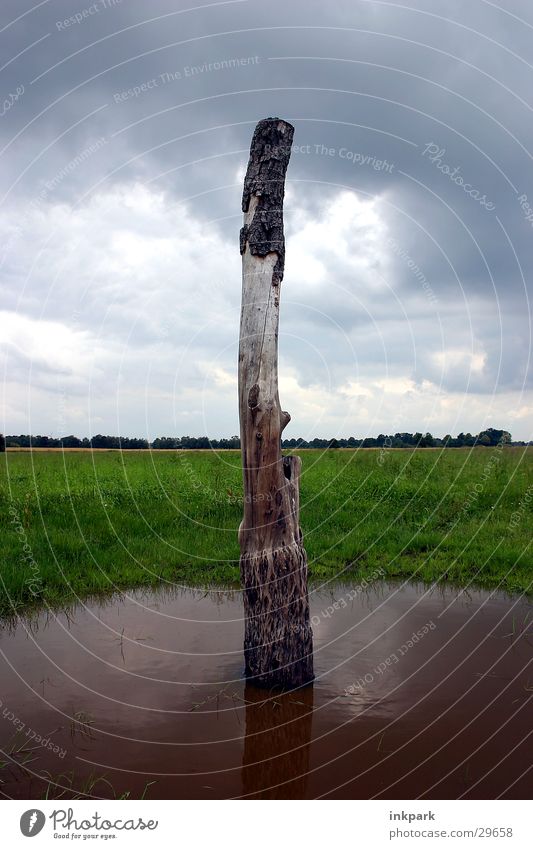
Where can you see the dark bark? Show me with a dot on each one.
(265, 179)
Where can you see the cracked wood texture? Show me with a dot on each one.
(278, 644)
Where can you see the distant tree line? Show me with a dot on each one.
(488, 438)
(99, 441)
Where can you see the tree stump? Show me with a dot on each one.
(278, 643)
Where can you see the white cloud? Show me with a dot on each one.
(124, 318)
(458, 358)
(48, 346)
(350, 231)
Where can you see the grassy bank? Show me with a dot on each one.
(76, 523)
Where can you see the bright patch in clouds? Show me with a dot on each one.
(350, 230)
(459, 359)
(124, 317)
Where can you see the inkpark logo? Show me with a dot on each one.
(32, 822)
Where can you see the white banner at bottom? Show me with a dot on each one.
(265, 824)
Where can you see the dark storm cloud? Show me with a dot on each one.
(427, 112)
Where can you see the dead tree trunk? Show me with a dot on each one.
(278, 644)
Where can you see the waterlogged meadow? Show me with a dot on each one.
(78, 523)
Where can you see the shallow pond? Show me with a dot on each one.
(420, 692)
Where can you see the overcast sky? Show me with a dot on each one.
(124, 136)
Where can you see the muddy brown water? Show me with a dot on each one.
(420, 692)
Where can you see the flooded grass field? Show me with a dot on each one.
(421, 691)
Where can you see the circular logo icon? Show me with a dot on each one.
(32, 822)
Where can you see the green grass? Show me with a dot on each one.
(77, 523)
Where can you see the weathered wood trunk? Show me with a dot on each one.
(278, 642)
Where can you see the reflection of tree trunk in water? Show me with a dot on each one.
(276, 748)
